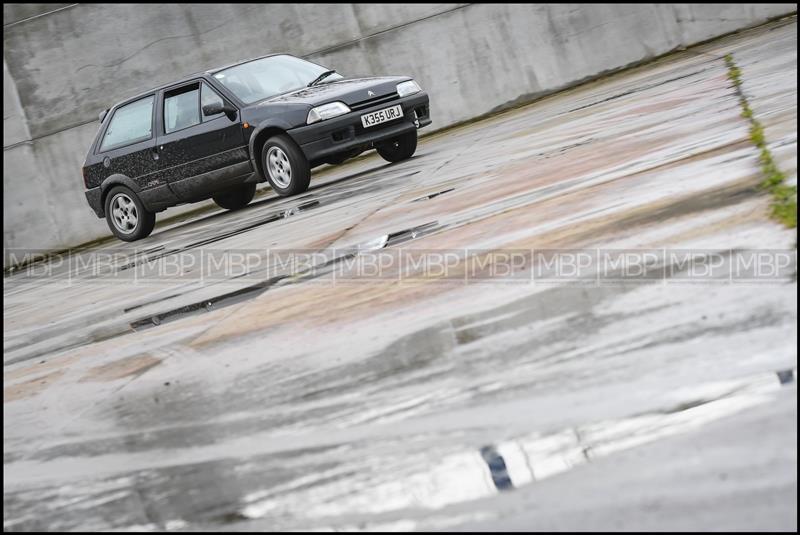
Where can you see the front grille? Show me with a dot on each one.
(374, 101)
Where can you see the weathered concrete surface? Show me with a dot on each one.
(383, 404)
(69, 61)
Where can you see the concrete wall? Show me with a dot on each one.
(63, 63)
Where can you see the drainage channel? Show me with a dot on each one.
(313, 272)
(413, 233)
(433, 195)
(206, 305)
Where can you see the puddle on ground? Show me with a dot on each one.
(471, 474)
(336, 482)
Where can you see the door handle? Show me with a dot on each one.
(154, 152)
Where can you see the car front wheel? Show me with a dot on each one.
(235, 198)
(398, 149)
(285, 166)
(126, 216)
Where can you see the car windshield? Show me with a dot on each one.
(267, 77)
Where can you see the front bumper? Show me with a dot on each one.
(345, 133)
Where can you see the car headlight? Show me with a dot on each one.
(408, 88)
(327, 111)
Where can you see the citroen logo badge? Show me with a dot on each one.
(370, 94)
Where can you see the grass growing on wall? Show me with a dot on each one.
(783, 207)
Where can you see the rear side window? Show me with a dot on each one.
(131, 123)
(182, 108)
(209, 96)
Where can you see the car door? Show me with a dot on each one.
(198, 155)
(127, 146)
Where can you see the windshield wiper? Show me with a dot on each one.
(321, 77)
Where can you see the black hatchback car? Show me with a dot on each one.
(216, 134)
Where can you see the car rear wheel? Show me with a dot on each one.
(235, 198)
(399, 148)
(126, 216)
(285, 166)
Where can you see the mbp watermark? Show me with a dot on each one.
(406, 265)
(565, 265)
(764, 265)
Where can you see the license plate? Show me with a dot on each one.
(381, 116)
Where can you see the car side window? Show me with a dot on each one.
(181, 108)
(130, 124)
(209, 96)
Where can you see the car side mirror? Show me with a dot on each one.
(218, 107)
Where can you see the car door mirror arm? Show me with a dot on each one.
(218, 107)
(230, 111)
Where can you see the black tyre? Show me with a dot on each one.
(126, 216)
(285, 166)
(399, 148)
(235, 198)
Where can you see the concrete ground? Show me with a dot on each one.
(205, 398)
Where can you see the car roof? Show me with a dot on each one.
(242, 62)
(189, 78)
